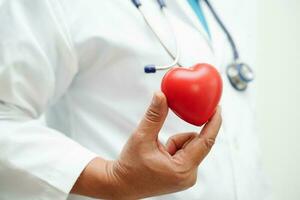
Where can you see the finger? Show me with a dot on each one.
(196, 150)
(177, 141)
(213, 126)
(154, 118)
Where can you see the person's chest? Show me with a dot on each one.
(113, 44)
(111, 91)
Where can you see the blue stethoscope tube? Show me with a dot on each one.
(238, 73)
(228, 35)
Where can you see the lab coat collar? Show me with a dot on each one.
(194, 19)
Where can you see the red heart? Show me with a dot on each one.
(193, 93)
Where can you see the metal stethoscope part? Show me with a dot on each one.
(238, 73)
(151, 68)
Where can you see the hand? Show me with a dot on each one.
(146, 167)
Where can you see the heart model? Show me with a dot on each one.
(193, 93)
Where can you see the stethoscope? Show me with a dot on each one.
(238, 73)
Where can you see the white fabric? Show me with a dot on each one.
(80, 64)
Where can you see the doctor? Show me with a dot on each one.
(79, 66)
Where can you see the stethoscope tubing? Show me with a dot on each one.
(238, 79)
(174, 57)
(225, 30)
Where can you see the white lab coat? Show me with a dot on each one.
(80, 65)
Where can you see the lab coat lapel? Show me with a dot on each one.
(194, 19)
(161, 26)
(219, 42)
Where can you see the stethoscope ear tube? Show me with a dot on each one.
(137, 3)
(235, 51)
(153, 68)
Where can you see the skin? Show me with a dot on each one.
(145, 167)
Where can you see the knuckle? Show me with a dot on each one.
(194, 134)
(180, 180)
(185, 181)
(181, 177)
(220, 119)
(152, 115)
(171, 140)
(137, 136)
(192, 181)
(208, 143)
(191, 135)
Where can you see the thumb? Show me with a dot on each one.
(155, 116)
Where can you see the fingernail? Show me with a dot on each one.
(155, 100)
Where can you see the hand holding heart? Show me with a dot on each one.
(148, 168)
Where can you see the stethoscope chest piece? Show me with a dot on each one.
(239, 75)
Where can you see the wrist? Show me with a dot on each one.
(121, 182)
(98, 180)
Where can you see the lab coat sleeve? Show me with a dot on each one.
(37, 65)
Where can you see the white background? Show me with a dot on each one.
(279, 94)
